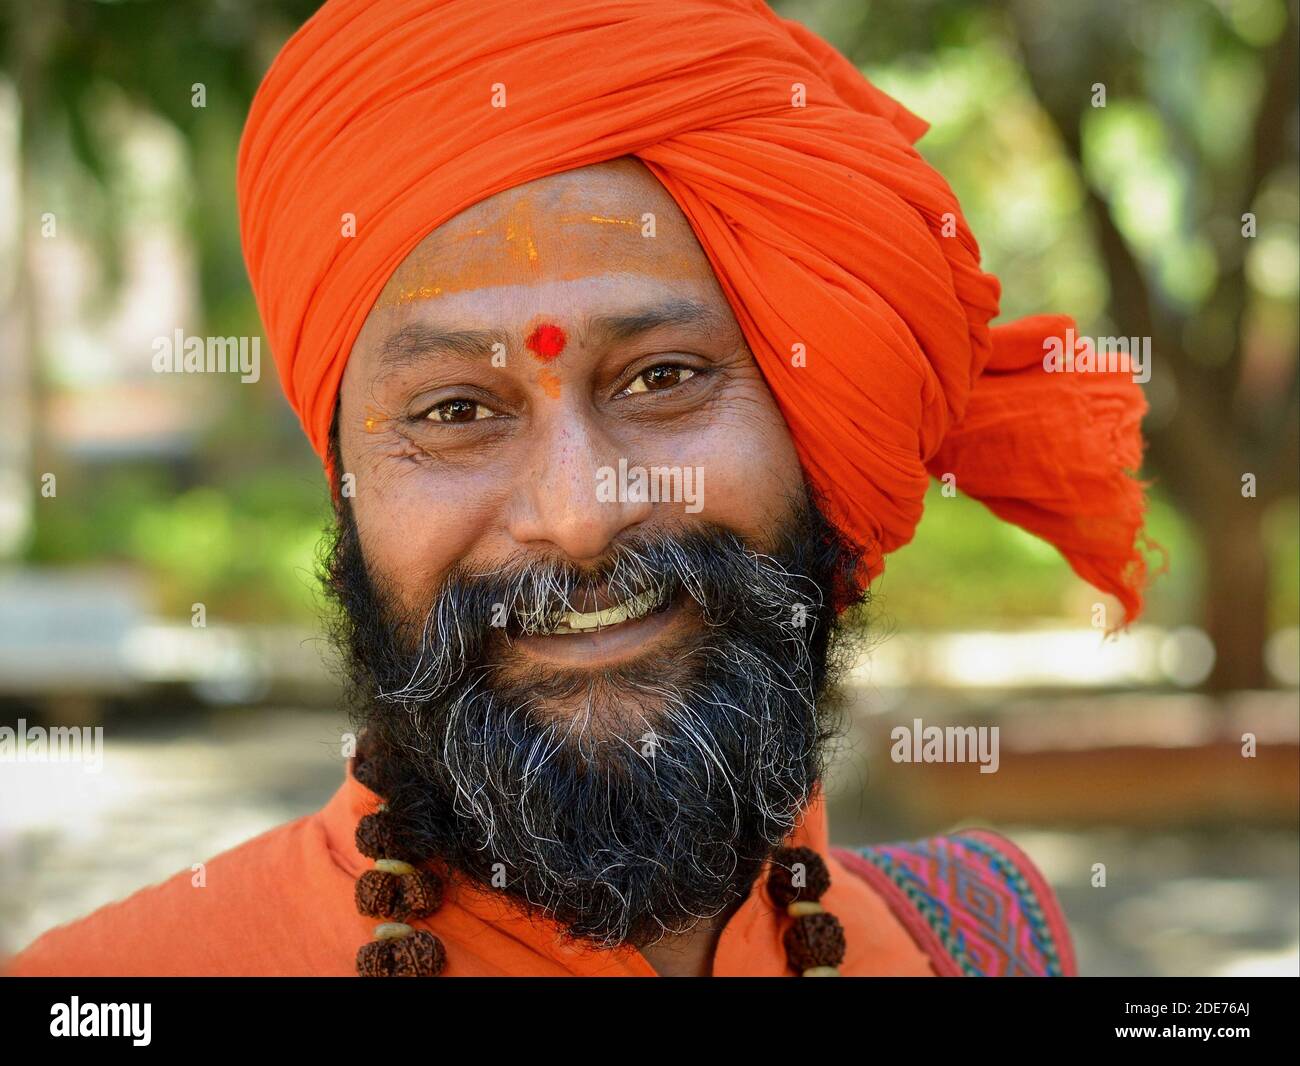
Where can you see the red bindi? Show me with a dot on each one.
(546, 341)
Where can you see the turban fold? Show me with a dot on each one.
(823, 224)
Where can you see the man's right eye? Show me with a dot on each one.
(459, 411)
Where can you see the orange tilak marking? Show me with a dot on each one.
(374, 421)
(519, 231)
(550, 384)
(602, 220)
(424, 292)
(508, 251)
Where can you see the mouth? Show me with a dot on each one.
(585, 622)
(603, 637)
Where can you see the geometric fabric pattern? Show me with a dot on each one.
(973, 902)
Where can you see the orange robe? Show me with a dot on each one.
(282, 904)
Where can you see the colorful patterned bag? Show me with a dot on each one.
(973, 902)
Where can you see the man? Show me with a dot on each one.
(629, 338)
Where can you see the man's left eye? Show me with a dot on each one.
(658, 378)
(459, 411)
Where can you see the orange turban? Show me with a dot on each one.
(824, 226)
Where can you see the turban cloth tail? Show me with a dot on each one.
(844, 255)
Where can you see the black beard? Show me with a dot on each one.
(653, 799)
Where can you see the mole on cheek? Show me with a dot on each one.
(546, 341)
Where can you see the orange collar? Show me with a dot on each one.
(485, 936)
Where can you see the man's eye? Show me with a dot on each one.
(658, 378)
(459, 411)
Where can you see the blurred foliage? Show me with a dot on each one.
(966, 568)
(245, 547)
(232, 521)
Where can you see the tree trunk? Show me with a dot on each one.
(1235, 606)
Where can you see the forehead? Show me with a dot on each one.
(609, 218)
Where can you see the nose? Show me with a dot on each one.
(567, 497)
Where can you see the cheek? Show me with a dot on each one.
(751, 470)
(409, 543)
(415, 523)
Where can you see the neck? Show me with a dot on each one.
(689, 954)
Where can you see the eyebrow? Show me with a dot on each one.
(415, 341)
(680, 312)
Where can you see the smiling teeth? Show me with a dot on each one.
(588, 621)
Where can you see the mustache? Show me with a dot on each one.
(712, 567)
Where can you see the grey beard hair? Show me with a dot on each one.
(452, 632)
(655, 801)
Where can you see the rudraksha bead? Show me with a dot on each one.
(420, 954)
(379, 894)
(780, 880)
(377, 838)
(419, 894)
(815, 940)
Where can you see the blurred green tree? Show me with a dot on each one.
(1197, 137)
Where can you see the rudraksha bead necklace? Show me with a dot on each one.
(398, 890)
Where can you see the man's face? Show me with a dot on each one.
(459, 459)
(612, 697)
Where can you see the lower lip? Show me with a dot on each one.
(602, 647)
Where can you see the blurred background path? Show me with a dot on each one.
(178, 788)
